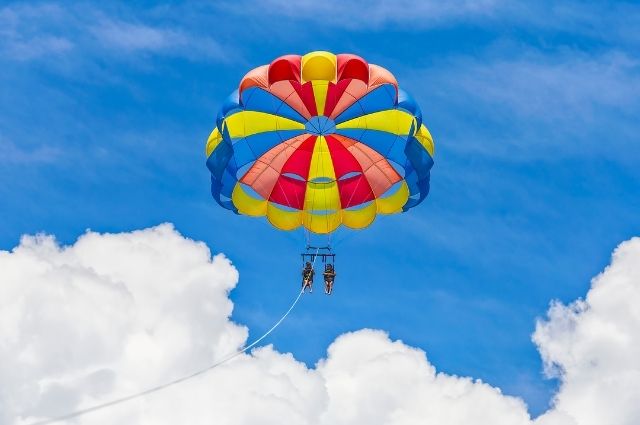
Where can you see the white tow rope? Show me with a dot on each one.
(171, 383)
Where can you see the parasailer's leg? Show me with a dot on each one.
(307, 283)
(307, 277)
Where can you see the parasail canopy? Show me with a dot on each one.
(319, 141)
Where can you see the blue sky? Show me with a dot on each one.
(533, 108)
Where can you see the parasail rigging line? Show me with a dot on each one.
(157, 388)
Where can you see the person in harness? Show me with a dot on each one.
(329, 275)
(307, 277)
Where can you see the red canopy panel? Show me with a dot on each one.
(300, 161)
(343, 160)
(305, 91)
(379, 173)
(256, 77)
(264, 173)
(352, 92)
(289, 192)
(285, 91)
(354, 191)
(334, 94)
(285, 68)
(352, 66)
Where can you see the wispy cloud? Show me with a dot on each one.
(39, 32)
(599, 20)
(133, 37)
(530, 102)
(29, 32)
(10, 153)
(606, 21)
(368, 14)
(129, 36)
(27, 49)
(542, 87)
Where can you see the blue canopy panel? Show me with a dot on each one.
(223, 187)
(218, 163)
(389, 145)
(407, 103)
(216, 190)
(418, 172)
(419, 158)
(232, 155)
(260, 100)
(250, 148)
(229, 181)
(229, 106)
(378, 99)
(219, 158)
(418, 190)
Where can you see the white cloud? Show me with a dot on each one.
(106, 315)
(10, 153)
(368, 14)
(535, 86)
(615, 23)
(115, 313)
(372, 380)
(24, 36)
(529, 104)
(84, 32)
(135, 37)
(593, 345)
(604, 21)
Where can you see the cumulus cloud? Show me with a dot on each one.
(593, 345)
(115, 313)
(107, 315)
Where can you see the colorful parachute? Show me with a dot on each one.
(319, 141)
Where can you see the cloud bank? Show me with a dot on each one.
(116, 313)
(593, 345)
